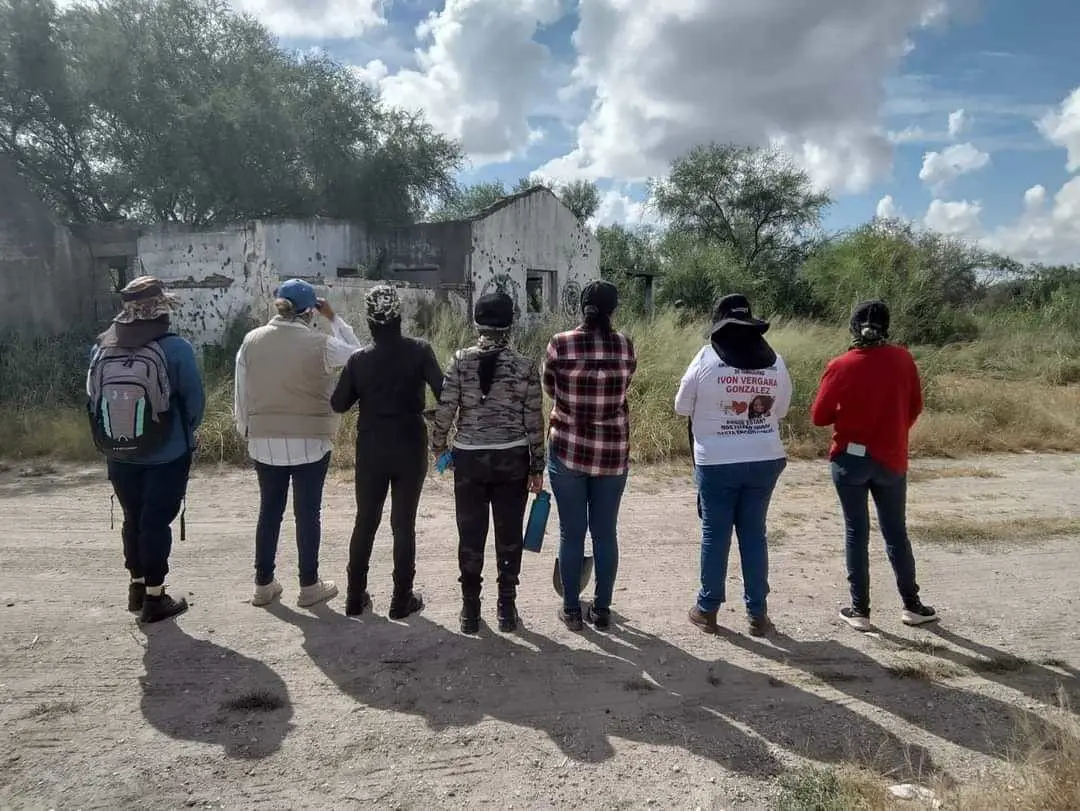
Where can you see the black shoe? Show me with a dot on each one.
(598, 617)
(161, 607)
(470, 616)
(571, 619)
(401, 608)
(856, 618)
(760, 626)
(918, 614)
(508, 616)
(136, 596)
(357, 604)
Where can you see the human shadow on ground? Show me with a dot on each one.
(963, 717)
(647, 691)
(1040, 681)
(195, 690)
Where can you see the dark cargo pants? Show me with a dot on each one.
(494, 482)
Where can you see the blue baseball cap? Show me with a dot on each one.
(300, 293)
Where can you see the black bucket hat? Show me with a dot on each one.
(494, 311)
(735, 309)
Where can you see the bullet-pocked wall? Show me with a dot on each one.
(533, 247)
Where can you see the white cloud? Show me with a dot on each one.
(958, 123)
(908, 135)
(669, 74)
(1062, 128)
(956, 218)
(480, 74)
(887, 209)
(617, 208)
(315, 19)
(939, 169)
(372, 73)
(1043, 234)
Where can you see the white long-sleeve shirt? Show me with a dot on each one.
(281, 451)
(736, 413)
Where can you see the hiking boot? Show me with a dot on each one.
(857, 619)
(158, 607)
(470, 616)
(264, 595)
(918, 614)
(705, 620)
(357, 603)
(402, 607)
(136, 595)
(760, 626)
(571, 619)
(508, 615)
(318, 592)
(600, 618)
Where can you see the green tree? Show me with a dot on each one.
(183, 110)
(468, 201)
(582, 197)
(623, 254)
(930, 281)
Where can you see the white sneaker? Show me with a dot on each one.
(317, 593)
(264, 595)
(857, 620)
(918, 614)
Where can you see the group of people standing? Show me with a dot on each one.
(293, 381)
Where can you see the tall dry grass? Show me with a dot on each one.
(1014, 389)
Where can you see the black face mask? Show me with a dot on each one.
(743, 348)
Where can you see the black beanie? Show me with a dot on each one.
(870, 316)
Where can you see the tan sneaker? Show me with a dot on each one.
(317, 593)
(264, 595)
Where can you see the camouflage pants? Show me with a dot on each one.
(495, 484)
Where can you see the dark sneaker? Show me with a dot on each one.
(136, 596)
(760, 626)
(598, 617)
(470, 617)
(161, 607)
(918, 614)
(859, 620)
(357, 604)
(571, 619)
(705, 620)
(401, 608)
(508, 616)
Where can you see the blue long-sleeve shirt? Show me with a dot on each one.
(187, 404)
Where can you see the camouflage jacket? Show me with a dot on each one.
(511, 415)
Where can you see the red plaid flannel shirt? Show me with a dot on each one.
(586, 374)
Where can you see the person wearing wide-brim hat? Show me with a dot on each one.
(146, 401)
(735, 393)
(493, 393)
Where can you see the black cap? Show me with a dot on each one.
(735, 310)
(494, 311)
(870, 315)
(602, 295)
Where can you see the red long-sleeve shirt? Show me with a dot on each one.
(871, 397)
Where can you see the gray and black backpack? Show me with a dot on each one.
(129, 401)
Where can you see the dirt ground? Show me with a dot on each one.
(97, 712)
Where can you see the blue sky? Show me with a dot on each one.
(860, 91)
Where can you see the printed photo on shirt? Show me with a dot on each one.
(760, 407)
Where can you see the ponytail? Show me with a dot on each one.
(597, 321)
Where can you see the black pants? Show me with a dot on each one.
(151, 497)
(494, 482)
(394, 463)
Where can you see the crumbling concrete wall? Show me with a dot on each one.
(218, 276)
(534, 234)
(47, 281)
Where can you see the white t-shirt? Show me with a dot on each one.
(736, 413)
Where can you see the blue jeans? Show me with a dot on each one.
(856, 478)
(307, 483)
(151, 497)
(736, 496)
(587, 504)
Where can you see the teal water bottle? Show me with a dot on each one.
(536, 526)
